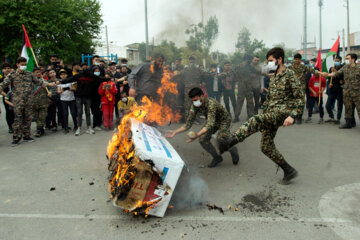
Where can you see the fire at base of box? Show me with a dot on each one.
(145, 181)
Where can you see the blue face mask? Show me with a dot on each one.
(312, 65)
(97, 73)
(337, 64)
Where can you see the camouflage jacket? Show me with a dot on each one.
(300, 72)
(244, 78)
(21, 85)
(351, 77)
(286, 94)
(40, 97)
(192, 76)
(214, 112)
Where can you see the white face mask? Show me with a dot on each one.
(97, 73)
(197, 103)
(22, 68)
(97, 63)
(347, 61)
(272, 66)
(124, 99)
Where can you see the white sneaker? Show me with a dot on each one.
(90, 131)
(98, 128)
(77, 132)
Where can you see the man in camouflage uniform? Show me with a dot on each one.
(21, 83)
(351, 88)
(301, 70)
(191, 77)
(255, 70)
(228, 80)
(285, 102)
(40, 105)
(218, 121)
(244, 77)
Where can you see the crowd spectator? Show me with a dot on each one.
(67, 98)
(55, 107)
(9, 111)
(107, 91)
(317, 85)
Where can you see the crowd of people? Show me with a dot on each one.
(51, 93)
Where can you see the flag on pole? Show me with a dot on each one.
(27, 52)
(329, 59)
(318, 61)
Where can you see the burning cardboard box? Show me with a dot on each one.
(144, 170)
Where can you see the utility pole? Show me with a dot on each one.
(343, 45)
(107, 41)
(203, 25)
(146, 32)
(320, 8)
(305, 29)
(348, 26)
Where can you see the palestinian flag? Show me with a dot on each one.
(329, 59)
(26, 52)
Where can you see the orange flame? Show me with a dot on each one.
(121, 151)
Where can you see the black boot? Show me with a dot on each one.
(215, 161)
(212, 150)
(226, 143)
(289, 173)
(353, 122)
(234, 155)
(347, 124)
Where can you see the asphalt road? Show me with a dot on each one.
(322, 203)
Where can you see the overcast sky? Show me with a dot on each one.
(273, 21)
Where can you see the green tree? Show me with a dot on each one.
(245, 45)
(65, 27)
(201, 38)
(168, 49)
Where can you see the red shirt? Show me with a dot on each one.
(107, 96)
(314, 83)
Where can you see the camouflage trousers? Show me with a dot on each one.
(222, 130)
(267, 123)
(22, 121)
(242, 94)
(351, 100)
(39, 115)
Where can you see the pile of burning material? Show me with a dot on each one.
(144, 167)
(144, 175)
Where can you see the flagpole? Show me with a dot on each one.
(36, 62)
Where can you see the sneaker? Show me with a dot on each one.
(97, 128)
(308, 120)
(66, 131)
(77, 132)
(11, 131)
(321, 121)
(15, 141)
(90, 131)
(28, 139)
(54, 129)
(337, 122)
(331, 120)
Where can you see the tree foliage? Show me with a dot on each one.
(245, 45)
(65, 27)
(168, 49)
(202, 38)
